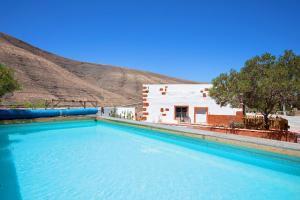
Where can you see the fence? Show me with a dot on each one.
(257, 122)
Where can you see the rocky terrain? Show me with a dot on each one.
(44, 75)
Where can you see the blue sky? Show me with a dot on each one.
(193, 40)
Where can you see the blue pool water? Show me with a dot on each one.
(100, 160)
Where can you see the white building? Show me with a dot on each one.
(185, 103)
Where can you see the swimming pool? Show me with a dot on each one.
(100, 160)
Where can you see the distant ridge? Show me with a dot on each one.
(44, 75)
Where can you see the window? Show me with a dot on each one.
(181, 112)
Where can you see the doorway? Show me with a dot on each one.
(181, 113)
(200, 115)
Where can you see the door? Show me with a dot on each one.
(181, 113)
(200, 115)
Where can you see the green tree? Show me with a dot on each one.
(7, 81)
(290, 67)
(264, 84)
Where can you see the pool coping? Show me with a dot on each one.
(281, 147)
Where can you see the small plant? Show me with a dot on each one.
(113, 112)
(28, 105)
(12, 106)
(40, 104)
(123, 115)
(236, 125)
(129, 115)
(37, 104)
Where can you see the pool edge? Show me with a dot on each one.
(274, 146)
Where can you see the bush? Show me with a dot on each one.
(28, 105)
(113, 112)
(39, 104)
(129, 115)
(13, 106)
(7, 81)
(236, 125)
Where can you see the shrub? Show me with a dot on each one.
(28, 105)
(113, 112)
(7, 80)
(13, 106)
(236, 125)
(40, 104)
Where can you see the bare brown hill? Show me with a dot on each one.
(44, 75)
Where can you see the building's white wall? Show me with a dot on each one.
(181, 95)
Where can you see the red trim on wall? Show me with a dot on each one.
(145, 104)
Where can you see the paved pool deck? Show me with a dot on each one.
(276, 146)
(294, 123)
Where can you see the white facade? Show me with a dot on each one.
(161, 100)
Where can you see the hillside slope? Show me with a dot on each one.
(44, 75)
